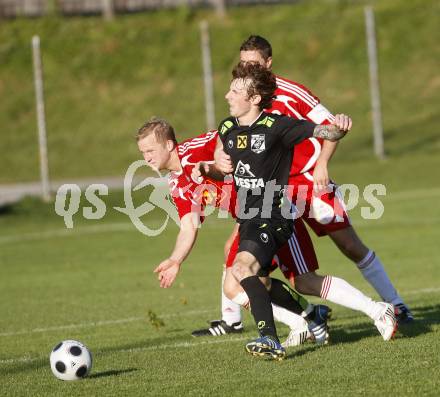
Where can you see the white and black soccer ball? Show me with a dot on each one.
(70, 360)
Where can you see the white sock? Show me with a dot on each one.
(374, 272)
(242, 300)
(292, 320)
(231, 312)
(339, 291)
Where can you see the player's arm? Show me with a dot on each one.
(213, 171)
(320, 115)
(320, 172)
(335, 131)
(169, 268)
(222, 160)
(294, 131)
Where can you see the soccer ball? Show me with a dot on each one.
(70, 360)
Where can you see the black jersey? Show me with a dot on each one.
(261, 155)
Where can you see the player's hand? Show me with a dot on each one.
(343, 122)
(320, 177)
(223, 161)
(167, 272)
(199, 171)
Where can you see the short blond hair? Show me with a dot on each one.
(163, 130)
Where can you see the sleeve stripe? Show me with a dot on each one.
(196, 142)
(295, 91)
(284, 99)
(200, 144)
(300, 89)
(207, 137)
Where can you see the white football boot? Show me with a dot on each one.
(387, 321)
(297, 337)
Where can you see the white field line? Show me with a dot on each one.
(105, 322)
(129, 227)
(176, 345)
(153, 347)
(75, 232)
(78, 231)
(422, 291)
(165, 316)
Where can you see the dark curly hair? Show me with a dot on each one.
(262, 81)
(257, 43)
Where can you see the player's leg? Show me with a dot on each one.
(230, 321)
(337, 290)
(232, 292)
(372, 269)
(296, 258)
(281, 294)
(298, 326)
(301, 258)
(245, 270)
(258, 243)
(231, 312)
(326, 215)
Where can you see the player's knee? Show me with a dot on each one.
(228, 293)
(353, 249)
(238, 271)
(308, 284)
(302, 287)
(350, 244)
(241, 270)
(231, 288)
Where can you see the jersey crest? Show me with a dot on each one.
(258, 143)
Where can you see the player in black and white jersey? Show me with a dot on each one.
(260, 145)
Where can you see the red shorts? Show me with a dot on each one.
(296, 257)
(325, 212)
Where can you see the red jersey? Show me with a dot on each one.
(295, 100)
(192, 196)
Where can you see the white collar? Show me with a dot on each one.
(250, 125)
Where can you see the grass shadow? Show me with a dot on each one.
(25, 366)
(424, 317)
(294, 354)
(113, 372)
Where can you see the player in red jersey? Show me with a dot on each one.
(324, 212)
(157, 142)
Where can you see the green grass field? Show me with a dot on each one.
(95, 284)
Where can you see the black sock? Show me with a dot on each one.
(282, 295)
(261, 307)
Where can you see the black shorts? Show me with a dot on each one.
(262, 239)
